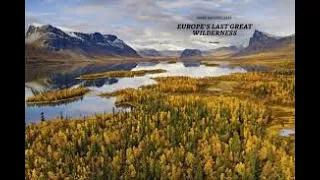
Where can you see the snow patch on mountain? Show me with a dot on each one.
(72, 34)
(37, 25)
(117, 43)
(65, 29)
(57, 37)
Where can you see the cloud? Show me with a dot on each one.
(32, 14)
(152, 23)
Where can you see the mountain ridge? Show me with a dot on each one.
(261, 42)
(149, 53)
(85, 44)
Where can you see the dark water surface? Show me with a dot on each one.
(91, 103)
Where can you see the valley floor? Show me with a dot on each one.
(223, 127)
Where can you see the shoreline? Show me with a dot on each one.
(35, 103)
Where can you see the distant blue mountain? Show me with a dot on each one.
(190, 53)
(149, 53)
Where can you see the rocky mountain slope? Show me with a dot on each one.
(56, 40)
(260, 42)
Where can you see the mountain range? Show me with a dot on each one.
(50, 42)
(258, 43)
(261, 41)
(171, 53)
(149, 53)
(50, 39)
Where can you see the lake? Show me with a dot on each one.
(287, 132)
(92, 103)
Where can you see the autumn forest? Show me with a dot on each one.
(180, 128)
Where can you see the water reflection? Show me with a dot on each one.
(191, 64)
(99, 82)
(179, 69)
(92, 103)
(60, 78)
(148, 63)
(122, 83)
(83, 107)
(55, 103)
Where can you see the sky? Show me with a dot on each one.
(153, 23)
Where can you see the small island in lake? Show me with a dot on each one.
(120, 74)
(56, 96)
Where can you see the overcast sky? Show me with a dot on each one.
(153, 23)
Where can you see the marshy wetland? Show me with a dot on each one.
(98, 79)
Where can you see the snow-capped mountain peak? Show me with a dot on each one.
(36, 24)
(65, 29)
(61, 38)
